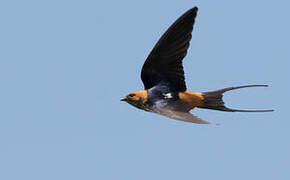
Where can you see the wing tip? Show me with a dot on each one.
(193, 10)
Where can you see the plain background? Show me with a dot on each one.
(65, 65)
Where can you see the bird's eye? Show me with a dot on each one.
(131, 95)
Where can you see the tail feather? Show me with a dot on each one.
(214, 100)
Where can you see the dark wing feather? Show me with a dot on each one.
(164, 63)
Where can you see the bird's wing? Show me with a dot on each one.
(164, 63)
(182, 116)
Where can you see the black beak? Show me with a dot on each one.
(124, 99)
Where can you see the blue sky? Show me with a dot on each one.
(65, 65)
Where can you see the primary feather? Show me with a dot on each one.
(164, 63)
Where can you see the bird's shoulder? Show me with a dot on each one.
(161, 90)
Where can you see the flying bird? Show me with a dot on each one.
(162, 74)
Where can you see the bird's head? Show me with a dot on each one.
(137, 99)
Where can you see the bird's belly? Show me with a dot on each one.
(176, 105)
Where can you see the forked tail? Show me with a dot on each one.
(214, 100)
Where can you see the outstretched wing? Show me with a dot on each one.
(164, 63)
(182, 116)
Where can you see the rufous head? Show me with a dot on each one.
(137, 99)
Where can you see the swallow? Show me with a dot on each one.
(165, 91)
